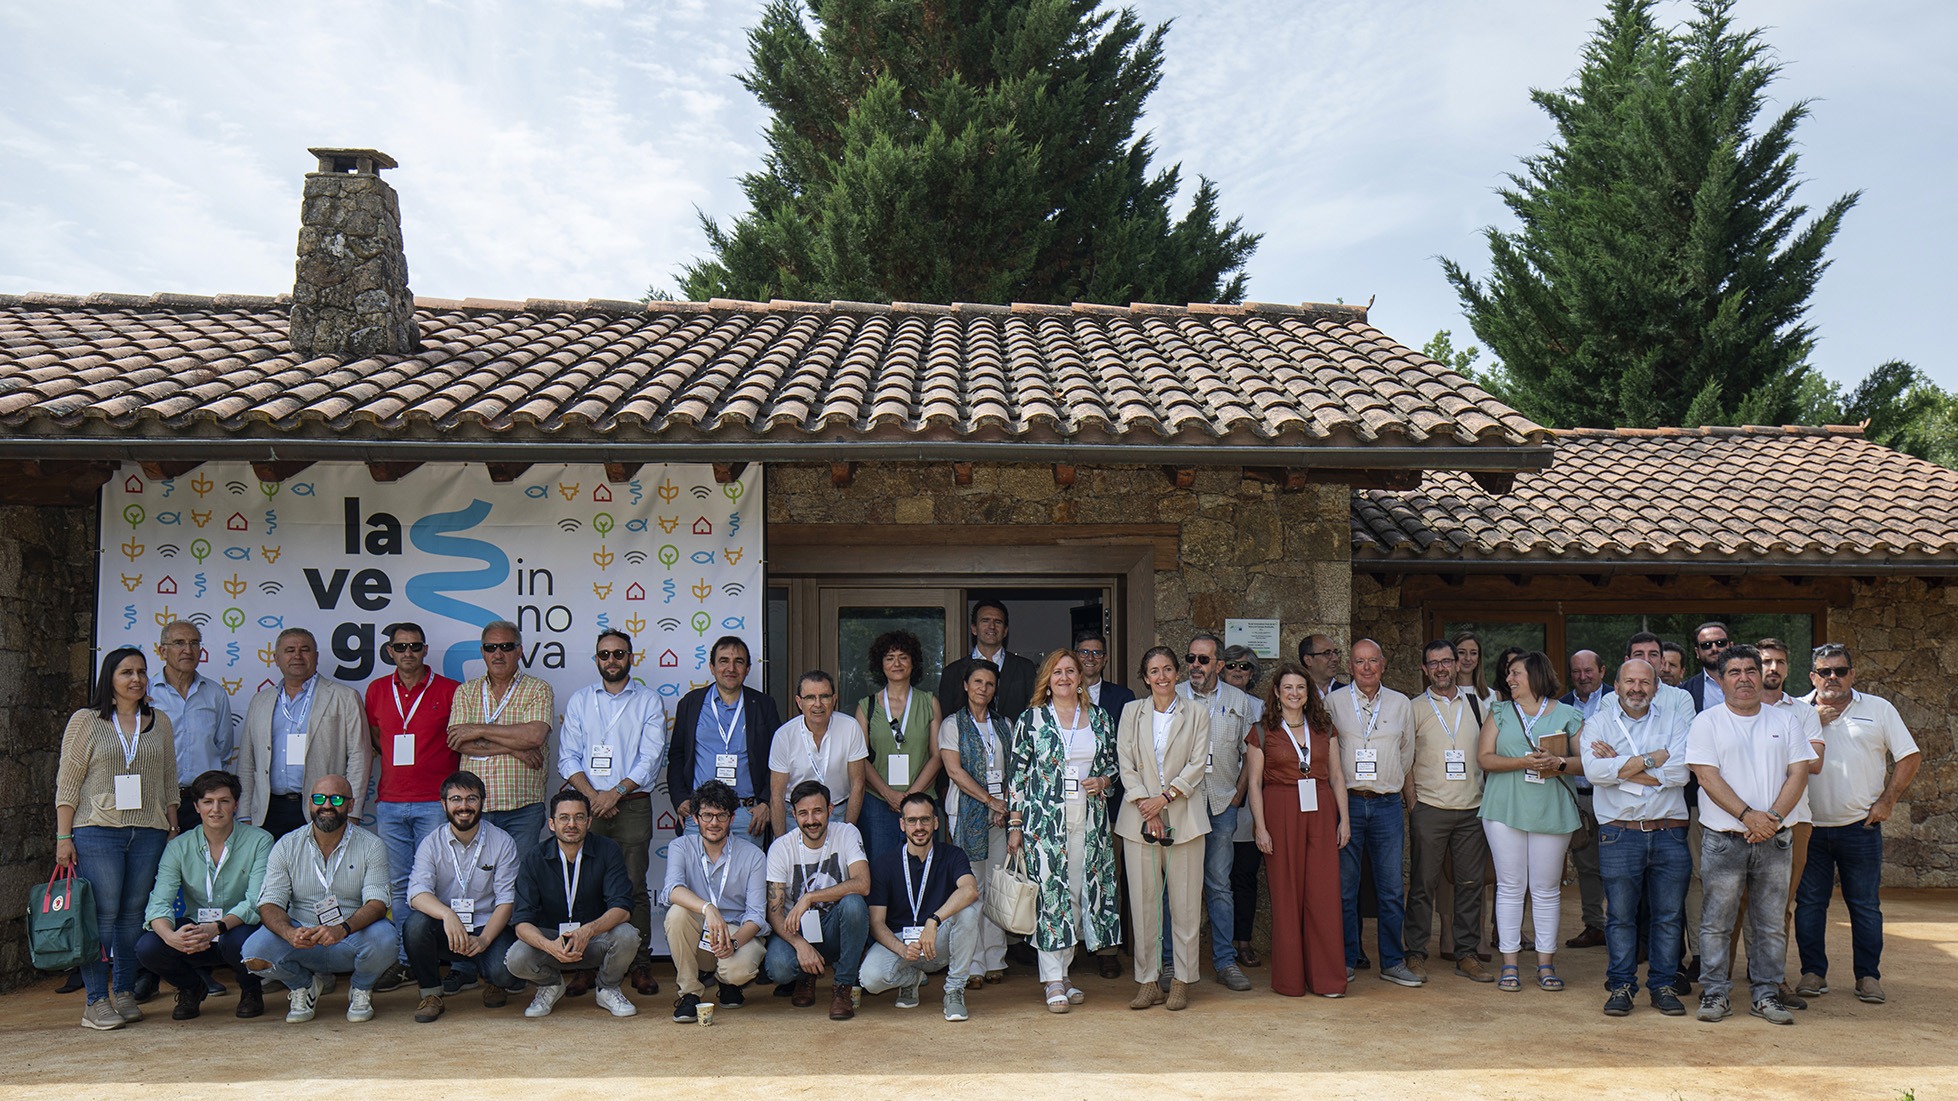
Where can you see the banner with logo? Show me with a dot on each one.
(670, 556)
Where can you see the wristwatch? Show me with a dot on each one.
(1649, 762)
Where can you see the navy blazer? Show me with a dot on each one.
(759, 714)
(1114, 697)
(1695, 687)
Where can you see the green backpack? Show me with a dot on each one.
(61, 931)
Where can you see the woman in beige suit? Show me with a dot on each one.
(1161, 747)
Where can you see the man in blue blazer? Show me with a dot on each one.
(722, 731)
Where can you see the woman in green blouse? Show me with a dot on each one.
(900, 727)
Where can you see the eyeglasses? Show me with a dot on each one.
(1087, 653)
(1712, 644)
(186, 643)
(818, 697)
(464, 800)
(1333, 650)
(407, 647)
(1438, 663)
(320, 800)
(1197, 659)
(913, 820)
(1239, 666)
(613, 655)
(1834, 672)
(714, 816)
(498, 647)
(572, 819)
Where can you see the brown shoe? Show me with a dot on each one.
(1470, 968)
(494, 996)
(1869, 990)
(1110, 966)
(251, 1001)
(643, 981)
(429, 1009)
(1179, 995)
(579, 982)
(1418, 965)
(1591, 937)
(1146, 995)
(1248, 956)
(805, 992)
(841, 1006)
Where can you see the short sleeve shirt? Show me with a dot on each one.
(1852, 775)
(1752, 752)
(510, 782)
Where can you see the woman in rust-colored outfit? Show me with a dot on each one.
(1301, 846)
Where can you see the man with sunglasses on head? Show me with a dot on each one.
(1849, 801)
(324, 909)
(611, 746)
(296, 731)
(1710, 640)
(408, 727)
(500, 724)
(1223, 790)
(464, 892)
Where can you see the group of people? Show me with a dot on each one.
(273, 854)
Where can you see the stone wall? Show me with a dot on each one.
(1245, 548)
(1903, 634)
(47, 599)
(1378, 615)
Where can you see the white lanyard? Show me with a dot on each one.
(624, 700)
(462, 864)
(895, 722)
(133, 741)
(988, 741)
(1637, 724)
(1529, 724)
(304, 704)
(490, 717)
(408, 714)
(734, 724)
(809, 751)
(211, 870)
(1446, 726)
(1304, 748)
(707, 869)
(325, 872)
(1371, 716)
(571, 877)
(917, 900)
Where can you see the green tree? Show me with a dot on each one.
(1898, 407)
(963, 150)
(1441, 348)
(1661, 268)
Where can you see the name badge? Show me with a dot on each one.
(724, 765)
(600, 761)
(1071, 782)
(404, 750)
(296, 748)
(706, 941)
(208, 914)
(129, 791)
(995, 783)
(812, 926)
(1208, 765)
(1454, 764)
(1532, 776)
(566, 928)
(911, 934)
(330, 913)
(1308, 796)
(465, 909)
(1366, 764)
(897, 766)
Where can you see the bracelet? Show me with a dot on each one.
(64, 837)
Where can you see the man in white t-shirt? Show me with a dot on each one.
(1849, 802)
(1752, 764)
(818, 879)
(822, 745)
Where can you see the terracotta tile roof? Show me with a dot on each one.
(1708, 495)
(151, 367)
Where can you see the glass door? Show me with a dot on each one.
(848, 620)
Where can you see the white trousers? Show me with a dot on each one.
(991, 955)
(1532, 863)
(1054, 965)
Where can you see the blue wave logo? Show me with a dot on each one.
(429, 591)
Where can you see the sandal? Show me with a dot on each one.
(1509, 983)
(1076, 995)
(994, 978)
(1056, 997)
(1550, 981)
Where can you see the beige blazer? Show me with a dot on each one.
(336, 744)
(1135, 755)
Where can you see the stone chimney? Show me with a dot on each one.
(350, 294)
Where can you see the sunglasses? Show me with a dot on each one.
(613, 655)
(407, 647)
(320, 800)
(498, 647)
(1834, 672)
(1712, 644)
(1239, 666)
(1197, 659)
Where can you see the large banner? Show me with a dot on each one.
(670, 556)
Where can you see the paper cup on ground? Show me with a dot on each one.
(706, 1012)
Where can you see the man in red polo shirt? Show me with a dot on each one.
(408, 726)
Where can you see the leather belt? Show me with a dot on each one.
(635, 796)
(751, 802)
(1649, 824)
(1372, 794)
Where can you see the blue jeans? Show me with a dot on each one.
(401, 827)
(367, 953)
(525, 825)
(742, 816)
(1730, 865)
(846, 929)
(1649, 867)
(879, 825)
(1378, 829)
(1220, 906)
(119, 863)
(1854, 854)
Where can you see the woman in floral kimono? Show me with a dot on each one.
(1063, 765)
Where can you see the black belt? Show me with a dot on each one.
(752, 802)
(1373, 794)
(295, 795)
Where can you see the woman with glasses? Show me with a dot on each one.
(1161, 747)
(1063, 762)
(1298, 810)
(115, 807)
(972, 749)
(898, 720)
(1528, 809)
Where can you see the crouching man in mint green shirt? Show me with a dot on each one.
(220, 867)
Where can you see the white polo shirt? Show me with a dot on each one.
(1812, 730)
(795, 752)
(1852, 775)
(1752, 752)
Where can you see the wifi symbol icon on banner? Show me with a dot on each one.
(569, 524)
(236, 489)
(199, 618)
(701, 492)
(636, 557)
(167, 550)
(669, 624)
(732, 588)
(271, 588)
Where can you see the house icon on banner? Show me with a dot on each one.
(167, 587)
(635, 591)
(669, 660)
(237, 522)
(703, 527)
(601, 493)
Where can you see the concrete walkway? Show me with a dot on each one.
(1449, 1039)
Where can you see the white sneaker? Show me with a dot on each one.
(360, 1005)
(613, 1001)
(542, 1001)
(300, 1002)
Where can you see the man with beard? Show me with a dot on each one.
(1710, 640)
(324, 909)
(1223, 790)
(573, 902)
(463, 890)
(1446, 823)
(923, 915)
(611, 746)
(1774, 678)
(817, 880)
(716, 887)
(1672, 664)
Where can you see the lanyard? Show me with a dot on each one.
(1304, 748)
(707, 869)
(133, 741)
(895, 722)
(624, 700)
(571, 877)
(917, 900)
(490, 717)
(420, 693)
(1447, 726)
(211, 870)
(1637, 724)
(304, 704)
(809, 751)
(325, 872)
(988, 740)
(1371, 716)
(1529, 724)
(463, 863)
(734, 724)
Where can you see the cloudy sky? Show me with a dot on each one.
(560, 149)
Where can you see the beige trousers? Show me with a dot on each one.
(683, 930)
(1152, 869)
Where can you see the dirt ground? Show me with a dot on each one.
(1451, 1038)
